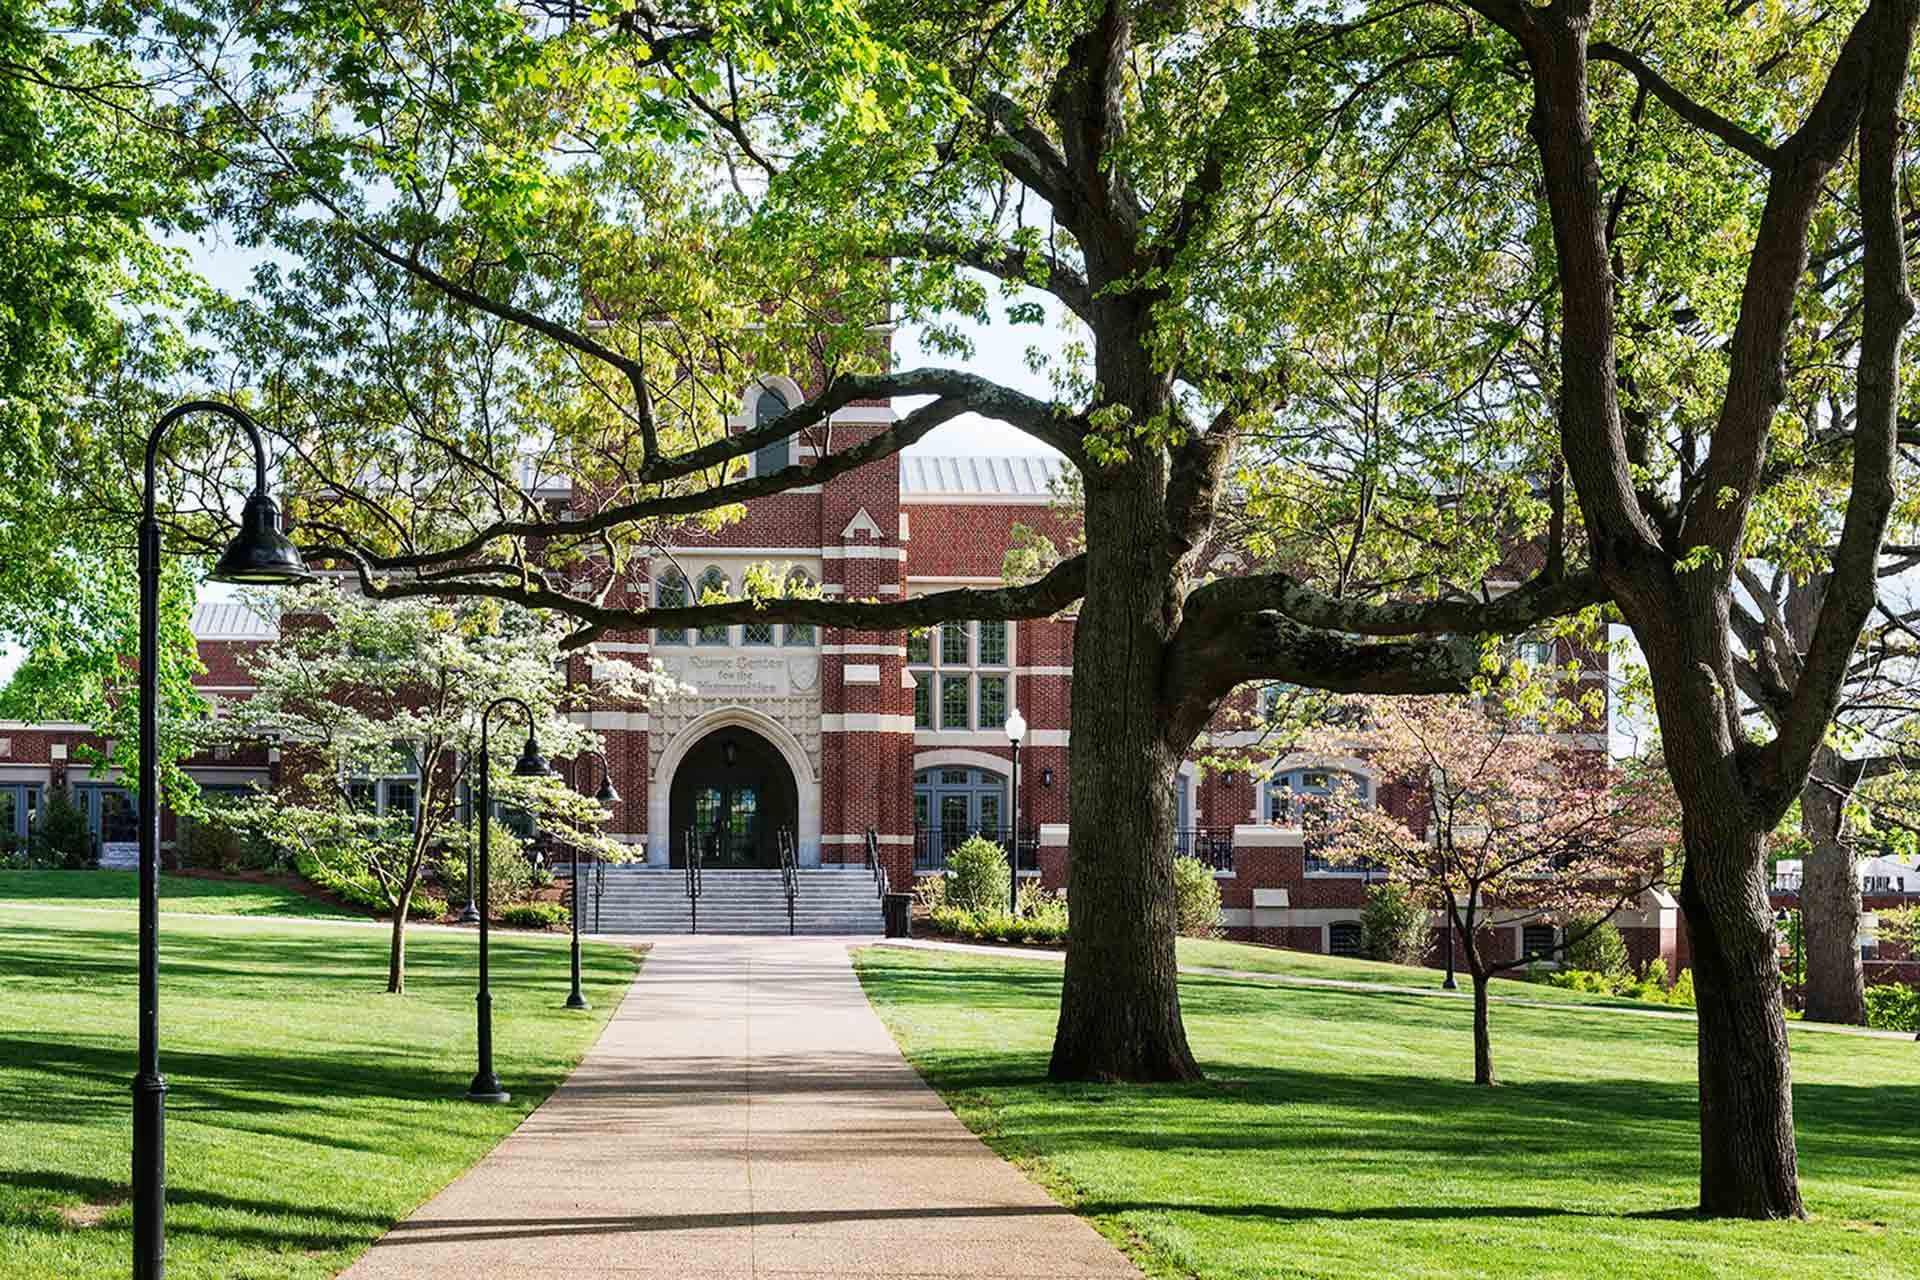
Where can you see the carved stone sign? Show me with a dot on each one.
(737, 674)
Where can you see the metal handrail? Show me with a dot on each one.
(789, 872)
(1211, 845)
(599, 890)
(693, 880)
(875, 865)
(931, 844)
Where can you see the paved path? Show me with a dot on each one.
(745, 1114)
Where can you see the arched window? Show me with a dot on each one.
(714, 582)
(775, 455)
(1343, 938)
(670, 592)
(800, 634)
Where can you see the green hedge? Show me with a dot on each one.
(1651, 986)
(364, 892)
(999, 926)
(1891, 1007)
(535, 915)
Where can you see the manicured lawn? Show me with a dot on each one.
(1204, 953)
(120, 889)
(1337, 1134)
(307, 1111)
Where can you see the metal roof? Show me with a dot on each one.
(230, 620)
(1016, 475)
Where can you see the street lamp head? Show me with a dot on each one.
(606, 794)
(531, 764)
(1016, 727)
(260, 554)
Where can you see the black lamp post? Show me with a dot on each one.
(470, 914)
(258, 554)
(1450, 984)
(486, 1085)
(1016, 730)
(607, 796)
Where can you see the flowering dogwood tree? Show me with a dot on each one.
(364, 690)
(1505, 827)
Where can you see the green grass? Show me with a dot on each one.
(1337, 1134)
(307, 1111)
(1205, 953)
(119, 890)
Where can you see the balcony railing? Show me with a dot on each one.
(1366, 868)
(1211, 845)
(931, 845)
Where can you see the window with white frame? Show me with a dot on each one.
(713, 582)
(1344, 938)
(800, 634)
(670, 592)
(962, 673)
(1536, 651)
(395, 796)
(1538, 941)
(776, 455)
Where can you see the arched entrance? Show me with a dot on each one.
(731, 794)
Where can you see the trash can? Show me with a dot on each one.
(898, 910)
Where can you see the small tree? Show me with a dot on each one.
(1506, 828)
(1196, 898)
(977, 876)
(361, 690)
(1393, 925)
(1599, 949)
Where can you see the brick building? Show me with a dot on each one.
(826, 734)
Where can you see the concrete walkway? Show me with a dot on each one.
(745, 1114)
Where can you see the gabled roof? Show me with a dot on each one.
(231, 620)
(1019, 476)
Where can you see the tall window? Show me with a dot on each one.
(670, 592)
(962, 672)
(800, 584)
(776, 455)
(713, 582)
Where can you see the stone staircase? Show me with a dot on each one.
(831, 901)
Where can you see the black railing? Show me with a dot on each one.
(599, 890)
(720, 847)
(1366, 868)
(1211, 845)
(931, 845)
(875, 865)
(693, 880)
(789, 872)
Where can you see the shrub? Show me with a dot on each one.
(929, 892)
(1602, 951)
(1196, 898)
(1682, 992)
(60, 836)
(511, 877)
(364, 892)
(217, 843)
(1393, 927)
(977, 876)
(999, 925)
(1892, 1007)
(535, 915)
(1656, 973)
(1043, 907)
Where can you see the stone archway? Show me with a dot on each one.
(731, 797)
(665, 829)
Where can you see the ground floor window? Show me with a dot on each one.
(113, 813)
(1343, 938)
(19, 809)
(951, 804)
(1537, 941)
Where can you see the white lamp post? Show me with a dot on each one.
(1016, 730)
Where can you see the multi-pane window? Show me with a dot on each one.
(757, 633)
(1535, 652)
(953, 644)
(1538, 940)
(923, 700)
(962, 676)
(800, 633)
(777, 454)
(19, 809)
(670, 592)
(993, 701)
(713, 582)
(394, 798)
(1344, 938)
(993, 644)
(954, 711)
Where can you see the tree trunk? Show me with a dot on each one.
(1748, 1165)
(1482, 1036)
(1830, 900)
(1120, 1001)
(397, 943)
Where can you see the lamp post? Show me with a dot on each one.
(607, 797)
(486, 1085)
(1450, 984)
(259, 554)
(1016, 730)
(470, 914)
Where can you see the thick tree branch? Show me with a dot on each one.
(1041, 270)
(1702, 117)
(1217, 602)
